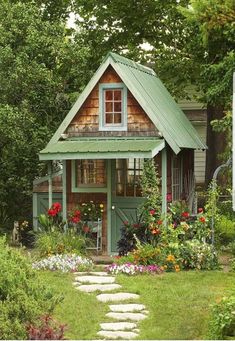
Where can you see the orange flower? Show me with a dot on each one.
(156, 231)
(202, 219)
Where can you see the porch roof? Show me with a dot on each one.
(102, 149)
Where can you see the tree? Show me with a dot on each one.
(190, 42)
(41, 69)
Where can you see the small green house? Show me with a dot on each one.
(124, 115)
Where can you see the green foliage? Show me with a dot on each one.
(222, 323)
(225, 230)
(196, 255)
(23, 298)
(56, 242)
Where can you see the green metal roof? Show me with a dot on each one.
(154, 98)
(102, 149)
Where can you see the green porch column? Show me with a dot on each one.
(50, 184)
(64, 193)
(164, 181)
(109, 204)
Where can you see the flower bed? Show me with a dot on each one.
(133, 269)
(64, 263)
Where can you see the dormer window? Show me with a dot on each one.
(113, 107)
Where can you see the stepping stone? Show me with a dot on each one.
(118, 326)
(95, 279)
(127, 316)
(92, 273)
(120, 296)
(123, 308)
(98, 287)
(117, 335)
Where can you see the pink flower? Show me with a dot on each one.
(200, 210)
(152, 212)
(169, 197)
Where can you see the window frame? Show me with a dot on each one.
(86, 188)
(117, 126)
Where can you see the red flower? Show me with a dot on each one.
(136, 225)
(156, 231)
(86, 229)
(185, 214)
(75, 219)
(126, 223)
(159, 222)
(202, 219)
(200, 210)
(152, 212)
(56, 206)
(51, 212)
(77, 213)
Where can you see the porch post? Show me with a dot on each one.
(109, 204)
(64, 194)
(50, 184)
(164, 181)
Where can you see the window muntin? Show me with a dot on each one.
(177, 178)
(113, 103)
(128, 174)
(90, 173)
(112, 107)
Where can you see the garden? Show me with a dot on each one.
(169, 260)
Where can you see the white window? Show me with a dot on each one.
(113, 107)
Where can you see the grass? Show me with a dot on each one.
(80, 312)
(179, 303)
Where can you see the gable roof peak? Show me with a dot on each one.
(116, 58)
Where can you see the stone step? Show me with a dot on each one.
(123, 308)
(117, 335)
(95, 279)
(98, 287)
(126, 316)
(91, 273)
(120, 296)
(118, 326)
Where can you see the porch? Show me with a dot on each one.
(106, 171)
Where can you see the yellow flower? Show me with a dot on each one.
(101, 211)
(170, 258)
(165, 266)
(101, 205)
(177, 268)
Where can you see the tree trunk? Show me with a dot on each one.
(215, 142)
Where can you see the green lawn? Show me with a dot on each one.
(179, 303)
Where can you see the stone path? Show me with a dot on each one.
(124, 315)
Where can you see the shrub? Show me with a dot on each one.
(46, 329)
(22, 297)
(56, 242)
(196, 255)
(222, 324)
(225, 230)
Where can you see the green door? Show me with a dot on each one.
(125, 199)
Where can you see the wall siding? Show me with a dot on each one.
(200, 156)
(86, 122)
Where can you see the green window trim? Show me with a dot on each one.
(85, 188)
(112, 127)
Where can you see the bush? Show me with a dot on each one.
(225, 230)
(22, 297)
(196, 255)
(56, 242)
(222, 324)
